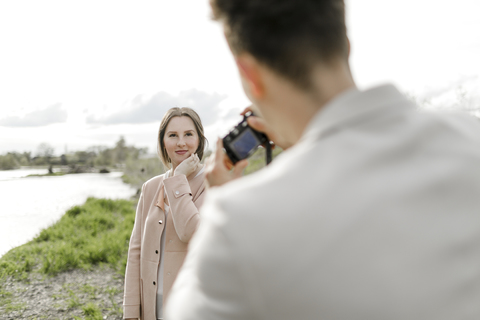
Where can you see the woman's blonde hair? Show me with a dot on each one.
(179, 112)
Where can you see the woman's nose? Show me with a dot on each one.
(181, 142)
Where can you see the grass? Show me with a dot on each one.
(73, 302)
(5, 298)
(48, 174)
(7, 302)
(94, 233)
(90, 290)
(92, 312)
(15, 307)
(257, 160)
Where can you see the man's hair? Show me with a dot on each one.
(289, 36)
(179, 112)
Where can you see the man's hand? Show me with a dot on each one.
(188, 166)
(218, 167)
(261, 125)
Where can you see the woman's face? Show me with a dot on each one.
(181, 139)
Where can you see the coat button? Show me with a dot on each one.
(154, 283)
(160, 222)
(156, 251)
(177, 192)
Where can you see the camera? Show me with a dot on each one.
(242, 141)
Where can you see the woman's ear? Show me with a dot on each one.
(251, 76)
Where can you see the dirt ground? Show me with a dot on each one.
(76, 294)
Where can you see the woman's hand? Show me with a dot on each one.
(218, 165)
(188, 166)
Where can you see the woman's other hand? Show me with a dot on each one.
(218, 167)
(188, 166)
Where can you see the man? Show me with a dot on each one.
(372, 213)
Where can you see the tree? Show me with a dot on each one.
(8, 162)
(26, 158)
(45, 151)
(121, 150)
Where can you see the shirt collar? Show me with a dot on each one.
(354, 105)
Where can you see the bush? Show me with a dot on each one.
(138, 171)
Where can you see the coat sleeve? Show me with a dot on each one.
(183, 210)
(211, 284)
(131, 297)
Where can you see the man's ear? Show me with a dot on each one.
(251, 73)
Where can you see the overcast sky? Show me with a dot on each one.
(82, 73)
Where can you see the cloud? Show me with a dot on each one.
(153, 108)
(460, 95)
(39, 118)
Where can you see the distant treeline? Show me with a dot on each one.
(133, 162)
(96, 156)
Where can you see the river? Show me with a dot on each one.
(30, 204)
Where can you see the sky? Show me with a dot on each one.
(76, 74)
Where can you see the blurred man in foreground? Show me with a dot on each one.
(372, 213)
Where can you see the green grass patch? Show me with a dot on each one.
(4, 293)
(90, 290)
(258, 160)
(92, 312)
(73, 302)
(48, 174)
(9, 307)
(96, 232)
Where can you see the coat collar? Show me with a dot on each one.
(161, 193)
(354, 105)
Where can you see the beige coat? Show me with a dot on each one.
(185, 196)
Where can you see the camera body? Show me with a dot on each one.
(242, 141)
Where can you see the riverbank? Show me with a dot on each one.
(73, 269)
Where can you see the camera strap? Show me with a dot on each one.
(268, 149)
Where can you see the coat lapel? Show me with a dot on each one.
(161, 197)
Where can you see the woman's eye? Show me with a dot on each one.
(172, 135)
(189, 134)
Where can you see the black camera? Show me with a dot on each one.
(242, 141)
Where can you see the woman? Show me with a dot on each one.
(167, 216)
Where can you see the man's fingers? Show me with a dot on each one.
(219, 151)
(239, 167)
(249, 108)
(257, 123)
(227, 162)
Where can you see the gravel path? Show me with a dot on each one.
(76, 294)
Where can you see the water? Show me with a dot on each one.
(30, 204)
(15, 174)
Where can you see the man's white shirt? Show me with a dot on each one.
(373, 214)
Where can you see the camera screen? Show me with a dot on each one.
(245, 142)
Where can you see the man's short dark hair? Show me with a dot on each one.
(289, 36)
